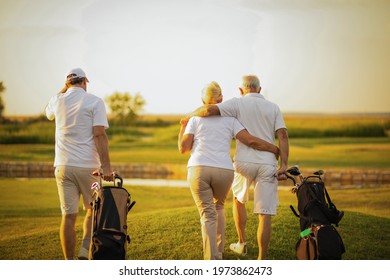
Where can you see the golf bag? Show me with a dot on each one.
(317, 214)
(110, 206)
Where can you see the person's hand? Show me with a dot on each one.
(96, 172)
(107, 175)
(65, 88)
(184, 121)
(281, 174)
(110, 177)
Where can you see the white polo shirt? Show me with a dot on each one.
(261, 118)
(212, 140)
(76, 112)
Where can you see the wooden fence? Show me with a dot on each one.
(332, 177)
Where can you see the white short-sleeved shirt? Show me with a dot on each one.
(212, 140)
(261, 118)
(76, 112)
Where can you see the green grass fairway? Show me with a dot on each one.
(316, 141)
(164, 223)
(373, 153)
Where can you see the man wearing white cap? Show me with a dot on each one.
(81, 151)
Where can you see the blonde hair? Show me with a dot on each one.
(251, 82)
(211, 93)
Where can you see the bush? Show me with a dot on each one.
(357, 130)
(28, 133)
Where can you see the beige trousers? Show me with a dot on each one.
(210, 187)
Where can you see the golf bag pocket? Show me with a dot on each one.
(306, 248)
(315, 205)
(108, 245)
(322, 242)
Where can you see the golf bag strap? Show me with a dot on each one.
(294, 211)
(329, 201)
(130, 206)
(312, 194)
(326, 195)
(328, 198)
(331, 205)
(96, 206)
(325, 191)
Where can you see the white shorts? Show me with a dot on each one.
(71, 183)
(265, 184)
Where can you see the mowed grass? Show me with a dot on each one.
(373, 153)
(329, 121)
(164, 223)
(341, 153)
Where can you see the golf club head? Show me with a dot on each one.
(319, 172)
(294, 170)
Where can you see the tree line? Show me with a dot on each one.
(125, 107)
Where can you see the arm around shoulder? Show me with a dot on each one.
(185, 141)
(205, 111)
(256, 143)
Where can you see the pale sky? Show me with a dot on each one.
(324, 56)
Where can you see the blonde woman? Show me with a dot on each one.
(210, 167)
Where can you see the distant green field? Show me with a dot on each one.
(316, 141)
(154, 130)
(30, 218)
(373, 153)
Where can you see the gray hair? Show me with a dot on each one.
(251, 81)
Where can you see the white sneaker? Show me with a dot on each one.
(83, 254)
(238, 248)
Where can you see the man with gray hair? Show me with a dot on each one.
(262, 119)
(210, 168)
(81, 150)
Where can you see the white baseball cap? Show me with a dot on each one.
(76, 73)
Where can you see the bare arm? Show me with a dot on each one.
(101, 142)
(184, 141)
(65, 88)
(204, 111)
(284, 153)
(256, 143)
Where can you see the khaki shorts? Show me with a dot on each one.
(265, 184)
(71, 183)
